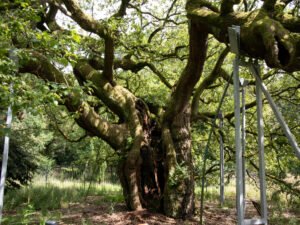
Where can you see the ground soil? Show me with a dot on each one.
(95, 210)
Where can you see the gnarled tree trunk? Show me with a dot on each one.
(156, 167)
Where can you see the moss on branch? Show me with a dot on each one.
(262, 36)
(114, 134)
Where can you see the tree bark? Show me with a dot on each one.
(272, 37)
(179, 188)
(156, 167)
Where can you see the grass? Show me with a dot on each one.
(39, 200)
(280, 210)
(212, 193)
(57, 193)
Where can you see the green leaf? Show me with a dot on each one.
(75, 36)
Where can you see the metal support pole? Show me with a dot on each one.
(238, 145)
(222, 198)
(260, 127)
(4, 161)
(278, 114)
(244, 83)
(234, 44)
(13, 56)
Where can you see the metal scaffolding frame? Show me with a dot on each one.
(243, 84)
(240, 140)
(240, 135)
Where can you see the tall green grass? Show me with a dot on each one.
(281, 210)
(57, 194)
(39, 200)
(212, 193)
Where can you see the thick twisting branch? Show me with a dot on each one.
(122, 9)
(48, 18)
(87, 23)
(109, 94)
(109, 44)
(227, 6)
(114, 134)
(269, 5)
(262, 35)
(127, 63)
(109, 59)
(216, 72)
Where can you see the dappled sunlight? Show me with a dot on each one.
(68, 183)
(131, 92)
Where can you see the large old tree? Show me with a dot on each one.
(90, 51)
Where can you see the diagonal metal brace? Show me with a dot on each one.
(279, 117)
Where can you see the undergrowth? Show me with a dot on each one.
(42, 201)
(283, 208)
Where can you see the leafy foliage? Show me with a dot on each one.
(21, 165)
(151, 52)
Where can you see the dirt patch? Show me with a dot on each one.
(97, 210)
